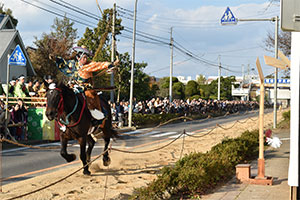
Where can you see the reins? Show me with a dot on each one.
(60, 109)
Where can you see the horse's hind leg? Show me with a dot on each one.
(63, 151)
(82, 143)
(91, 144)
(106, 159)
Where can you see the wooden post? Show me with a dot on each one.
(261, 160)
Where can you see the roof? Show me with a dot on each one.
(8, 36)
(5, 22)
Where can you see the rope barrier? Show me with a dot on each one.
(161, 124)
(182, 146)
(60, 180)
(31, 146)
(149, 151)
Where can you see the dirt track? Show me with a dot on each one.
(126, 171)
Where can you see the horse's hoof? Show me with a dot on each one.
(71, 158)
(106, 162)
(86, 172)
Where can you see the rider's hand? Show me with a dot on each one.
(51, 57)
(117, 62)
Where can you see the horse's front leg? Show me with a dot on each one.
(63, 150)
(91, 144)
(82, 143)
(106, 159)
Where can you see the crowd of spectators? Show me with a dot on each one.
(18, 90)
(33, 88)
(184, 107)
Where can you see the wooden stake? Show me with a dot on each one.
(261, 161)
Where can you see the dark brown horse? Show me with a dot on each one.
(74, 118)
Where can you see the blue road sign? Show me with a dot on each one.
(228, 17)
(17, 57)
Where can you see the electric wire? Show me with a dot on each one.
(54, 13)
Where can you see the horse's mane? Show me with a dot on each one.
(65, 89)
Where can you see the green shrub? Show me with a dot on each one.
(285, 123)
(286, 115)
(197, 173)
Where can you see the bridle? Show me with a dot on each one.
(60, 110)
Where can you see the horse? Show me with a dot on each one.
(75, 120)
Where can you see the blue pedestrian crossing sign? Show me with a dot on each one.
(228, 17)
(17, 57)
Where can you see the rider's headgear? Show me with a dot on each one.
(82, 51)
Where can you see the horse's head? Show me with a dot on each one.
(54, 101)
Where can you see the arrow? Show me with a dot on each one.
(284, 58)
(261, 75)
(275, 62)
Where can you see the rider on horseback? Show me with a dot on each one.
(81, 70)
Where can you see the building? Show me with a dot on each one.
(10, 38)
(184, 80)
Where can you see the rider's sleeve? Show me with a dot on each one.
(96, 66)
(66, 67)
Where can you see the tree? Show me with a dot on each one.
(97, 40)
(284, 41)
(178, 90)
(58, 42)
(191, 88)
(141, 89)
(225, 92)
(164, 86)
(8, 12)
(201, 80)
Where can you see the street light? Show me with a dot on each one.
(132, 67)
(228, 18)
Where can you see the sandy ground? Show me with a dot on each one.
(126, 171)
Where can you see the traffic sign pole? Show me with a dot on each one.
(7, 84)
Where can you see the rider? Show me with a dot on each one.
(81, 70)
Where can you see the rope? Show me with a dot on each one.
(30, 146)
(58, 181)
(199, 136)
(161, 124)
(182, 147)
(228, 127)
(149, 151)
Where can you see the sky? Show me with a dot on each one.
(196, 31)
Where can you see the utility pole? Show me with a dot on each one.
(171, 66)
(219, 79)
(112, 99)
(276, 72)
(132, 67)
(243, 76)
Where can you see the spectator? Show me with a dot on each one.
(120, 113)
(20, 89)
(11, 88)
(2, 92)
(29, 87)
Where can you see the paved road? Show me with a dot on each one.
(23, 163)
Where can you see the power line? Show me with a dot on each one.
(75, 10)
(60, 10)
(80, 9)
(54, 13)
